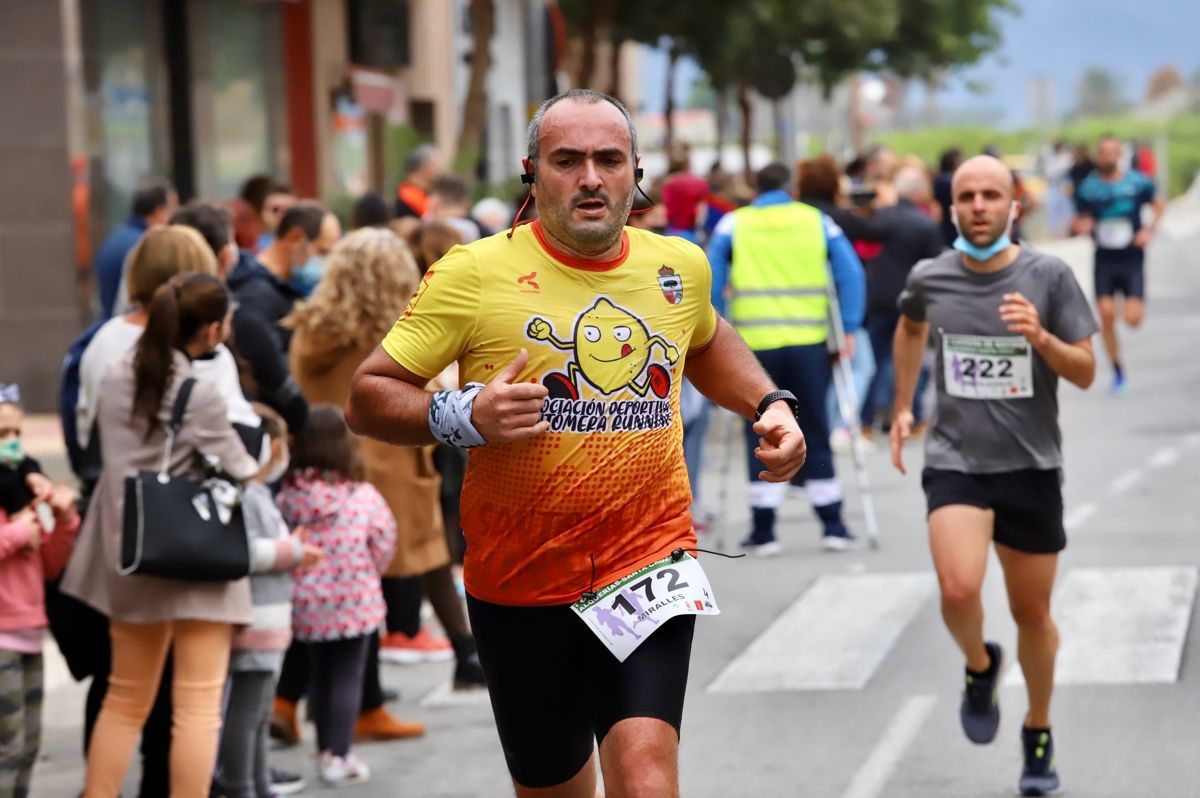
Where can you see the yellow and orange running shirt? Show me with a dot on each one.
(606, 490)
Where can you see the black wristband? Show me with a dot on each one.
(778, 396)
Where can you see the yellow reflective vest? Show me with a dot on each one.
(779, 276)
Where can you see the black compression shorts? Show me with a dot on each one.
(1127, 278)
(1028, 504)
(555, 688)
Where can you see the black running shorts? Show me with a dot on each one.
(1028, 504)
(556, 689)
(1126, 278)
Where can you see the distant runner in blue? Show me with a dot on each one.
(1108, 206)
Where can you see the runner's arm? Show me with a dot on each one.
(1074, 362)
(388, 402)
(1084, 220)
(1160, 209)
(908, 348)
(728, 373)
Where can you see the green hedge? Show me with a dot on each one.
(1183, 140)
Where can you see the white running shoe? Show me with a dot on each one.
(839, 542)
(772, 549)
(338, 771)
(840, 441)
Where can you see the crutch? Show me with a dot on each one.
(727, 427)
(847, 398)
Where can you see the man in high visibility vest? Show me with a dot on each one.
(776, 256)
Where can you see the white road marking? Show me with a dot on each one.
(1122, 625)
(445, 696)
(1165, 458)
(1078, 516)
(873, 776)
(1127, 480)
(832, 638)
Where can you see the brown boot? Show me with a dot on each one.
(284, 726)
(379, 724)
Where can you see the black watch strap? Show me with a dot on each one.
(777, 396)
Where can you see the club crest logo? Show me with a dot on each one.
(671, 284)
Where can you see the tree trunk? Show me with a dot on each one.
(933, 86)
(470, 136)
(858, 132)
(722, 122)
(600, 19)
(743, 96)
(614, 68)
(669, 138)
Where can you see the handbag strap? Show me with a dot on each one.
(176, 423)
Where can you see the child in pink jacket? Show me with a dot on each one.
(337, 604)
(29, 555)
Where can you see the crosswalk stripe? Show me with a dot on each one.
(1121, 625)
(872, 777)
(832, 638)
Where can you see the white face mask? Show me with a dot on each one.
(278, 470)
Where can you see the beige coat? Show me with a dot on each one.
(91, 574)
(405, 475)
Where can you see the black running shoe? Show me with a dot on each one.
(284, 783)
(468, 673)
(980, 711)
(1039, 776)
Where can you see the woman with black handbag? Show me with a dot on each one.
(156, 422)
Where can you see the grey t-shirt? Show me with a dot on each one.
(1000, 412)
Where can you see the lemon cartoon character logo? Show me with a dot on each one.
(611, 351)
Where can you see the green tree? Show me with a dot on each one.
(933, 37)
(1100, 92)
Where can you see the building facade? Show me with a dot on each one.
(326, 95)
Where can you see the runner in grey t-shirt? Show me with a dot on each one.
(1006, 322)
(977, 356)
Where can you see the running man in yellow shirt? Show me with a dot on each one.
(572, 336)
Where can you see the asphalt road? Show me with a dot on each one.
(831, 675)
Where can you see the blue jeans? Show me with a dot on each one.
(803, 370)
(862, 365)
(881, 329)
(693, 442)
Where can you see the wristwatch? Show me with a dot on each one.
(778, 396)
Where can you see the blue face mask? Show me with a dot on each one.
(992, 250)
(305, 278)
(11, 452)
(982, 253)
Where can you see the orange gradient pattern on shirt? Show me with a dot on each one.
(552, 516)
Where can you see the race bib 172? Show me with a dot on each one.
(631, 609)
(986, 367)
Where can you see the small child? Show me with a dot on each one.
(258, 649)
(337, 605)
(29, 555)
(21, 477)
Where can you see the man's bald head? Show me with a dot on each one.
(987, 168)
(983, 199)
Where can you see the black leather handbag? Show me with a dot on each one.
(180, 528)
